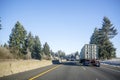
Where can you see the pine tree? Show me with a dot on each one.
(108, 29)
(101, 37)
(6, 46)
(76, 53)
(30, 40)
(52, 54)
(17, 39)
(46, 49)
(94, 38)
(108, 32)
(36, 48)
(61, 54)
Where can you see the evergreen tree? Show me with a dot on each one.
(108, 29)
(17, 39)
(6, 46)
(52, 54)
(95, 37)
(30, 41)
(46, 49)
(61, 54)
(36, 48)
(76, 53)
(101, 37)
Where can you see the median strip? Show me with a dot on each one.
(44, 72)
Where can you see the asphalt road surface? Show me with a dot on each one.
(68, 71)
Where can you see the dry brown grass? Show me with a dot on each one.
(9, 64)
(12, 66)
(5, 53)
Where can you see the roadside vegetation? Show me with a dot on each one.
(5, 53)
(101, 37)
(24, 45)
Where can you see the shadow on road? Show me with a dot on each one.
(70, 63)
(75, 63)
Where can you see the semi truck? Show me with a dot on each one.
(89, 55)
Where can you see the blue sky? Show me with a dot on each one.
(65, 24)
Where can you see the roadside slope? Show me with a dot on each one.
(9, 67)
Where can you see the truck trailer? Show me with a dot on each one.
(89, 55)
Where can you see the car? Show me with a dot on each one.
(55, 61)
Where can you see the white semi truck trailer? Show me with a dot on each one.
(89, 55)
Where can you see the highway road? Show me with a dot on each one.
(68, 71)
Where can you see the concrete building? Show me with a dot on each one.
(89, 51)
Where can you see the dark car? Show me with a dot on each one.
(55, 61)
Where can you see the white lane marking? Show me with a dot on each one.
(112, 69)
(84, 68)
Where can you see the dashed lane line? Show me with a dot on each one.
(84, 68)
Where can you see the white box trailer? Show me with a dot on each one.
(89, 55)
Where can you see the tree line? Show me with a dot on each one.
(101, 37)
(24, 45)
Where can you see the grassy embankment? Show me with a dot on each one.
(9, 65)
